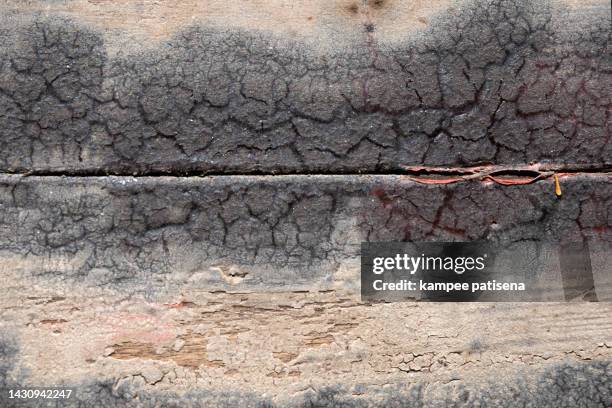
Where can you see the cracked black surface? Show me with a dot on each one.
(503, 82)
(142, 235)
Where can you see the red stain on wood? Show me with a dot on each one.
(508, 181)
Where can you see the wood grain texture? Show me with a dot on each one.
(284, 343)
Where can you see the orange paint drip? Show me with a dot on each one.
(557, 186)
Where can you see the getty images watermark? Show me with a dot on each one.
(469, 271)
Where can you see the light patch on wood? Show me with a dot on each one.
(437, 340)
(322, 20)
(232, 274)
